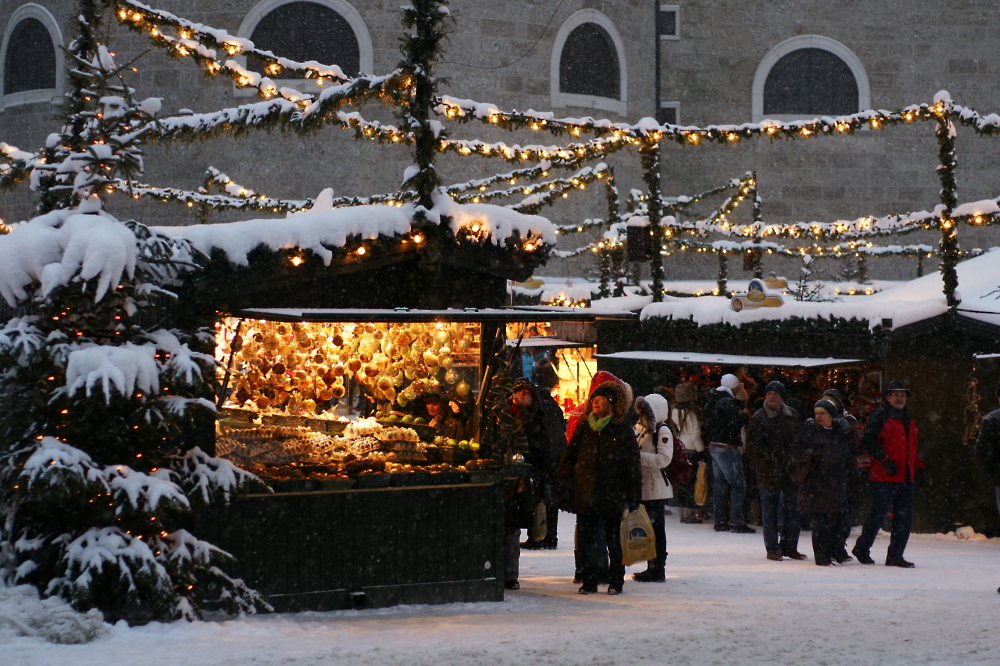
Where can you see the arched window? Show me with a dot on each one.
(30, 62)
(30, 67)
(588, 64)
(810, 82)
(809, 76)
(330, 32)
(306, 31)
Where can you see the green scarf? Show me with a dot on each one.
(596, 424)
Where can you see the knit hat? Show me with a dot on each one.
(828, 407)
(607, 392)
(834, 396)
(778, 388)
(730, 382)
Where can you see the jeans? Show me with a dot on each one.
(885, 496)
(591, 526)
(825, 536)
(727, 465)
(788, 502)
(655, 508)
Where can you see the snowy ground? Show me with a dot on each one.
(723, 603)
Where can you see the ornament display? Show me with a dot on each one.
(300, 369)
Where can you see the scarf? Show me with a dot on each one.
(773, 413)
(596, 424)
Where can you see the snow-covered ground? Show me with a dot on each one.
(723, 603)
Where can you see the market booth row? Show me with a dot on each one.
(856, 346)
(371, 429)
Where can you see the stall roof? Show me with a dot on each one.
(513, 314)
(547, 341)
(730, 359)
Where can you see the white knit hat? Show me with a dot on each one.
(730, 382)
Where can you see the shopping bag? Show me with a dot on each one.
(701, 485)
(540, 525)
(638, 544)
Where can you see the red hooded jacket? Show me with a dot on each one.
(892, 434)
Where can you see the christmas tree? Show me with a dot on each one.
(96, 485)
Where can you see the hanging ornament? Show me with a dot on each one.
(451, 376)
(430, 359)
(462, 389)
(442, 337)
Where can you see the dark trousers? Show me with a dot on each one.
(787, 501)
(655, 509)
(825, 536)
(885, 496)
(592, 547)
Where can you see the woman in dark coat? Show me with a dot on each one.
(821, 454)
(599, 475)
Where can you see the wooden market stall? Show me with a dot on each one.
(856, 347)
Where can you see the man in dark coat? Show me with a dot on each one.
(599, 476)
(531, 439)
(890, 439)
(546, 381)
(724, 418)
(988, 448)
(821, 453)
(769, 446)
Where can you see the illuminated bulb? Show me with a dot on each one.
(361, 251)
(418, 239)
(297, 261)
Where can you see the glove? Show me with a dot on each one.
(891, 468)
(632, 507)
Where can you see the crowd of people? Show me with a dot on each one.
(806, 468)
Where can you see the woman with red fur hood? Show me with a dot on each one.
(599, 476)
(578, 413)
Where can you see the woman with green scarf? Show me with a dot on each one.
(599, 476)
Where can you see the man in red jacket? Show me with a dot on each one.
(890, 439)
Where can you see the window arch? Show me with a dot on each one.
(302, 29)
(588, 66)
(30, 68)
(809, 76)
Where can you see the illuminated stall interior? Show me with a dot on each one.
(574, 362)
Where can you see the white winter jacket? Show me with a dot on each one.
(689, 432)
(656, 455)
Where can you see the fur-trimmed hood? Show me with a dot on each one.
(622, 402)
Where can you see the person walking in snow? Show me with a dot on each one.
(988, 448)
(770, 433)
(821, 452)
(656, 450)
(546, 381)
(890, 439)
(599, 476)
(724, 418)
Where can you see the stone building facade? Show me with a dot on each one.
(692, 62)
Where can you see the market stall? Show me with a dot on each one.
(367, 426)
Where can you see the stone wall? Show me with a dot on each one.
(501, 52)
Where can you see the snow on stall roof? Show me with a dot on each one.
(319, 229)
(907, 303)
(729, 359)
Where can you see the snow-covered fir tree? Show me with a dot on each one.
(97, 484)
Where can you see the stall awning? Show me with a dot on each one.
(513, 314)
(546, 341)
(730, 359)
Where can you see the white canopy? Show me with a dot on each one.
(730, 359)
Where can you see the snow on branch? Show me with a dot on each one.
(205, 477)
(569, 156)
(126, 369)
(647, 129)
(203, 43)
(541, 193)
(301, 114)
(15, 165)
